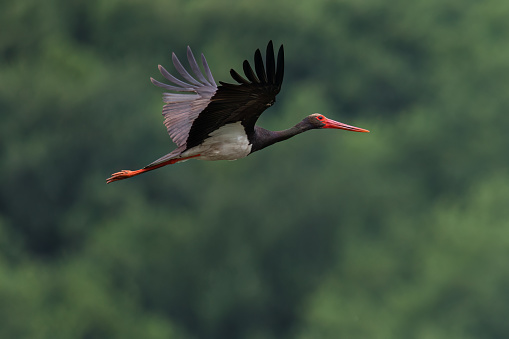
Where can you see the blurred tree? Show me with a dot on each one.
(400, 233)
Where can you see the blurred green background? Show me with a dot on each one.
(400, 233)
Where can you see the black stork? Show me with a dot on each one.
(211, 122)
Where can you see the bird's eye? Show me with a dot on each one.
(320, 117)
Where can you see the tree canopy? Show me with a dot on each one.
(400, 233)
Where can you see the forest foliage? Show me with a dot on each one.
(400, 233)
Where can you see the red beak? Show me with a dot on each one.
(339, 125)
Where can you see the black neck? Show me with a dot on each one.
(262, 138)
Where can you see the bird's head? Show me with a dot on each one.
(317, 120)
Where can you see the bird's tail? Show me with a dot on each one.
(125, 174)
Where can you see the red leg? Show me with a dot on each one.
(125, 174)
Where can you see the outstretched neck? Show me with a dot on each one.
(263, 138)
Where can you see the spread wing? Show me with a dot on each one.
(182, 108)
(200, 107)
(244, 102)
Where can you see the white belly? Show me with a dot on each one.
(229, 142)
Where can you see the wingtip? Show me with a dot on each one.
(271, 43)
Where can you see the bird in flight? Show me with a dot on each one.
(211, 122)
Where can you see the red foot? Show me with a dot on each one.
(125, 174)
(122, 175)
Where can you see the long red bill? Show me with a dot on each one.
(339, 125)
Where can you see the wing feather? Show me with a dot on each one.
(271, 67)
(248, 71)
(280, 66)
(182, 70)
(237, 77)
(195, 67)
(260, 70)
(207, 70)
(168, 87)
(176, 81)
